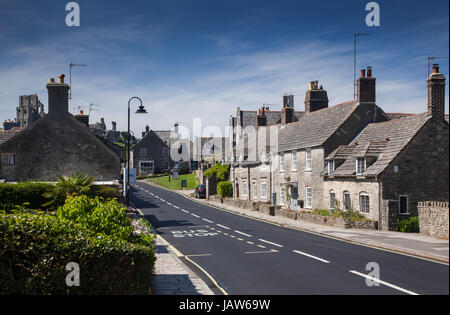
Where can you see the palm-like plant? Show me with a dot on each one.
(76, 184)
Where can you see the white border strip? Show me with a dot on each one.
(383, 282)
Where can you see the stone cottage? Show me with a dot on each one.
(56, 144)
(392, 166)
(291, 175)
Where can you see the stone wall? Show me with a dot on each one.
(433, 218)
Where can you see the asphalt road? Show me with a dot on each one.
(247, 256)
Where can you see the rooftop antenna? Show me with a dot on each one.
(429, 60)
(355, 36)
(92, 108)
(71, 65)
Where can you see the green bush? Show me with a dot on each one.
(106, 192)
(35, 250)
(106, 217)
(225, 189)
(76, 184)
(12, 195)
(410, 225)
(219, 171)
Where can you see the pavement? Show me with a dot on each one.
(408, 243)
(235, 254)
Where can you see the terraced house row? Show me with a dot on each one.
(348, 156)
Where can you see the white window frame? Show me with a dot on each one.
(399, 204)
(244, 188)
(308, 198)
(282, 162)
(330, 167)
(308, 157)
(294, 160)
(357, 166)
(282, 195)
(255, 190)
(165, 152)
(361, 205)
(150, 162)
(264, 190)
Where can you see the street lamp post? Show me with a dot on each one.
(141, 110)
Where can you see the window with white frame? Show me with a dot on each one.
(403, 204)
(263, 190)
(308, 204)
(143, 152)
(282, 162)
(294, 161)
(347, 200)
(165, 152)
(330, 167)
(282, 195)
(244, 188)
(332, 200)
(364, 205)
(255, 190)
(308, 159)
(146, 167)
(360, 166)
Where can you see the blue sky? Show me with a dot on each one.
(199, 58)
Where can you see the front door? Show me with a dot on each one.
(294, 197)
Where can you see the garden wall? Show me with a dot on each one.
(433, 218)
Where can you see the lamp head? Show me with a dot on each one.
(141, 110)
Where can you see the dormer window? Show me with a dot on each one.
(360, 166)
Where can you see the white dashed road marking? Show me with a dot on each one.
(311, 256)
(242, 233)
(274, 244)
(194, 215)
(223, 226)
(383, 282)
(207, 220)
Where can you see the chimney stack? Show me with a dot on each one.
(82, 118)
(147, 129)
(287, 115)
(58, 97)
(261, 117)
(114, 124)
(288, 100)
(436, 94)
(316, 98)
(366, 87)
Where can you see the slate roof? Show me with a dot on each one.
(6, 135)
(382, 141)
(314, 128)
(164, 135)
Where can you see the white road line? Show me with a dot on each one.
(184, 211)
(262, 246)
(242, 233)
(383, 282)
(207, 220)
(162, 200)
(250, 242)
(223, 226)
(169, 204)
(194, 215)
(176, 207)
(275, 244)
(311, 256)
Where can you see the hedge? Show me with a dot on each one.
(225, 189)
(36, 249)
(106, 192)
(12, 195)
(410, 225)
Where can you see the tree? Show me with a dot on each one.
(76, 184)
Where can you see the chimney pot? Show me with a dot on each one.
(363, 73)
(52, 80)
(61, 78)
(435, 68)
(369, 72)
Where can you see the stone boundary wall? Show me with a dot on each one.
(294, 214)
(433, 218)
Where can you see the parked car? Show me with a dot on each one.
(182, 168)
(200, 191)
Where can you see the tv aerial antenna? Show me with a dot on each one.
(71, 65)
(355, 36)
(92, 108)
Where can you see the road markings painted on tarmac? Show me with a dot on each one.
(176, 207)
(311, 256)
(242, 233)
(194, 215)
(274, 244)
(383, 282)
(250, 242)
(184, 211)
(240, 239)
(207, 220)
(262, 246)
(263, 252)
(223, 226)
